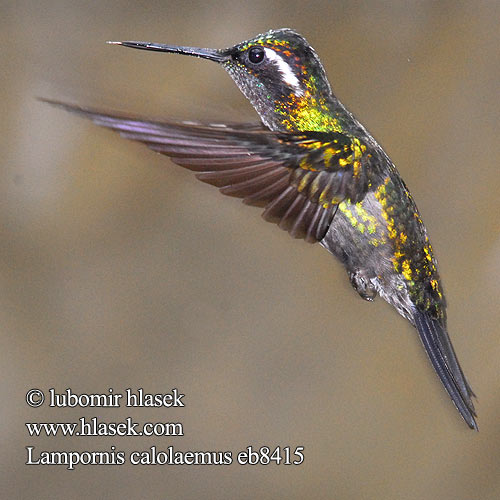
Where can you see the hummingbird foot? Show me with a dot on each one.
(363, 285)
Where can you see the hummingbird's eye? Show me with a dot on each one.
(256, 55)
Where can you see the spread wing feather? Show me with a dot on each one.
(298, 178)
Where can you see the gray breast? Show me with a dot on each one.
(358, 237)
(357, 234)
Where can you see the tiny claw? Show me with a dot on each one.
(362, 285)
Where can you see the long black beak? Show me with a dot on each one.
(211, 54)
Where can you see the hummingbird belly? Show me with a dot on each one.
(358, 237)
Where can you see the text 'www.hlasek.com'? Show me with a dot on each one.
(162, 453)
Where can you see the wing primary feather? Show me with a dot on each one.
(302, 221)
(263, 196)
(232, 176)
(176, 146)
(274, 211)
(313, 225)
(292, 212)
(249, 186)
(200, 163)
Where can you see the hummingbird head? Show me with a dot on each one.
(279, 73)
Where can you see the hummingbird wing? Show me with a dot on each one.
(298, 178)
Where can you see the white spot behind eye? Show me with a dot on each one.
(289, 77)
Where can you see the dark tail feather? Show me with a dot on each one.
(442, 355)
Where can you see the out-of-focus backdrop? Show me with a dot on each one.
(118, 269)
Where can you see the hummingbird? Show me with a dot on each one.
(318, 174)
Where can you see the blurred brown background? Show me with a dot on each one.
(120, 270)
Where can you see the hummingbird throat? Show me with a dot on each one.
(306, 112)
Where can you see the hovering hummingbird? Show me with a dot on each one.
(320, 176)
